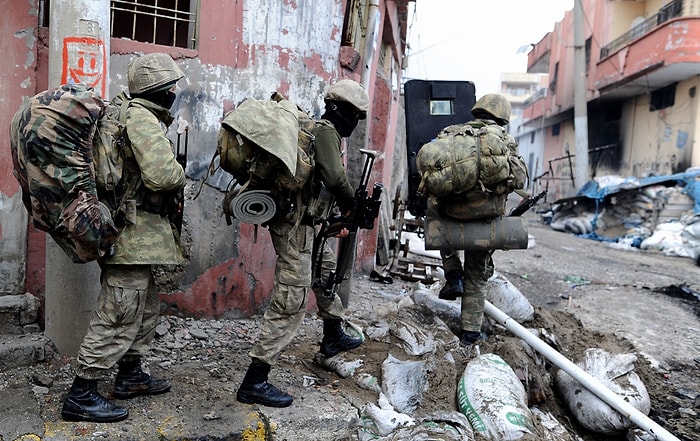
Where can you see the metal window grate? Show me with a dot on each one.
(164, 22)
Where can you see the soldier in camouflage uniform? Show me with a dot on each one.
(293, 237)
(123, 325)
(468, 280)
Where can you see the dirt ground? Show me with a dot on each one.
(585, 293)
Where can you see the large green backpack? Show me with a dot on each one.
(265, 145)
(63, 143)
(470, 169)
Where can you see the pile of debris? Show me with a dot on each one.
(660, 213)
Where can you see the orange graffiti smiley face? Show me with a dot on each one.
(84, 61)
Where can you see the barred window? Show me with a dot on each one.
(164, 22)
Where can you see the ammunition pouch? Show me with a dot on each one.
(321, 203)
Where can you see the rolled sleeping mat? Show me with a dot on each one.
(503, 233)
(253, 207)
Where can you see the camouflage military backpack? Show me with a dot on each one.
(470, 169)
(64, 144)
(265, 145)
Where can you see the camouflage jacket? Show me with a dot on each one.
(329, 165)
(151, 168)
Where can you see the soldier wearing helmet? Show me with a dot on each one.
(122, 328)
(467, 280)
(346, 102)
(493, 106)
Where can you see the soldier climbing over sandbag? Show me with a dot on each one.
(467, 173)
(292, 233)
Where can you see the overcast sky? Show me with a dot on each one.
(476, 40)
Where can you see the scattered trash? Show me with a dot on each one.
(338, 364)
(209, 416)
(551, 429)
(575, 281)
(368, 382)
(384, 278)
(381, 420)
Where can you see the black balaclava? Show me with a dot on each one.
(344, 117)
(163, 97)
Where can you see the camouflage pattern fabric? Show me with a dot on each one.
(267, 144)
(463, 157)
(478, 268)
(293, 244)
(124, 322)
(108, 147)
(51, 139)
(150, 167)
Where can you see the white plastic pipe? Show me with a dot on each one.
(583, 377)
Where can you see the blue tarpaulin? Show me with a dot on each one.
(593, 190)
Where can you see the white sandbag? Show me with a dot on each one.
(338, 364)
(429, 298)
(452, 426)
(494, 400)
(615, 372)
(508, 298)
(381, 420)
(550, 428)
(414, 339)
(667, 237)
(403, 383)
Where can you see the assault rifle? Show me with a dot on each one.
(364, 212)
(178, 205)
(526, 204)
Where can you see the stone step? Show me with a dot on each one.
(18, 314)
(22, 342)
(23, 350)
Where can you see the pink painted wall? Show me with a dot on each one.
(239, 285)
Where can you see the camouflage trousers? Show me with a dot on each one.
(285, 313)
(478, 268)
(124, 322)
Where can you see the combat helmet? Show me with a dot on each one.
(351, 92)
(152, 72)
(495, 105)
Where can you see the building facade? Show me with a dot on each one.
(641, 83)
(230, 50)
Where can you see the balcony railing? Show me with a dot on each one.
(541, 93)
(669, 11)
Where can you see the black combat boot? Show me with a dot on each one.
(84, 403)
(256, 390)
(335, 340)
(454, 286)
(468, 338)
(131, 381)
